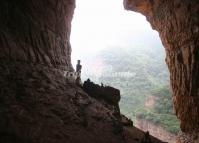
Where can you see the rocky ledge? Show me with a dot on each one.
(39, 105)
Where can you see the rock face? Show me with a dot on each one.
(37, 103)
(177, 22)
(36, 32)
(105, 93)
(155, 130)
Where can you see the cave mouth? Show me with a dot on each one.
(120, 49)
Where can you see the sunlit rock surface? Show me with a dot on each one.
(177, 22)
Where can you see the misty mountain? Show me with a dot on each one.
(139, 72)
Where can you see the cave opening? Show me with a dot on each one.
(36, 55)
(120, 49)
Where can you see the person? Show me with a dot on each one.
(146, 138)
(78, 66)
(78, 71)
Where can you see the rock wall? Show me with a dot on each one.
(155, 130)
(36, 31)
(177, 22)
(37, 103)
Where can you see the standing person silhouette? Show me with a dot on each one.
(78, 71)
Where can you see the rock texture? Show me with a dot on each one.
(104, 93)
(187, 138)
(155, 130)
(37, 103)
(36, 31)
(177, 22)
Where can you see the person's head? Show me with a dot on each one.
(78, 61)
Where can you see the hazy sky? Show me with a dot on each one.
(99, 24)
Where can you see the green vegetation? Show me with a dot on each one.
(139, 73)
(162, 113)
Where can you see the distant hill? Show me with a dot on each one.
(139, 73)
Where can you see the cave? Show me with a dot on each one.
(38, 105)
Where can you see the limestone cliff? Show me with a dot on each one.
(177, 22)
